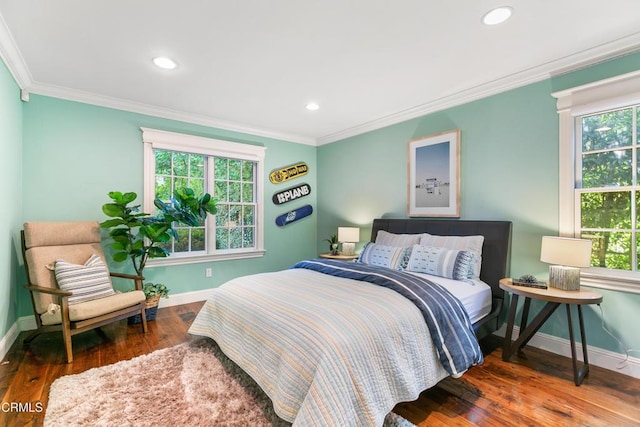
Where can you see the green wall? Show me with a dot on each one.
(75, 153)
(509, 171)
(63, 157)
(11, 211)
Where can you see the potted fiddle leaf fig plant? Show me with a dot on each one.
(139, 236)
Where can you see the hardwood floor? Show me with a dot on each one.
(535, 389)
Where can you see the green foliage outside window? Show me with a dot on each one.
(610, 191)
(233, 189)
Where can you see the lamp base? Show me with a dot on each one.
(565, 278)
(348, 248)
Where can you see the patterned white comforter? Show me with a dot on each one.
(328, 351)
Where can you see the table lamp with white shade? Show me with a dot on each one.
(348, 236)
(566, 255)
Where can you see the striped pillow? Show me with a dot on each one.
(385, 256)
(397, 240)
(460, 243)
(441, 262)
(87, 282)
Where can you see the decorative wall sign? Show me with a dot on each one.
(291, 194)
(294, 215)
(434, 175)
(288, 172)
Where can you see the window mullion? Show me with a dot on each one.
(634, 203)
(577, 177)
(210, 223)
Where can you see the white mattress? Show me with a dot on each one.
(475, 295)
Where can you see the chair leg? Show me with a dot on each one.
(143, 316)
(66, 336)
(66, 329)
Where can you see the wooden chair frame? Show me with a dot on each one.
(70, 328)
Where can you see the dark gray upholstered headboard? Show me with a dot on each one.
(495, 252)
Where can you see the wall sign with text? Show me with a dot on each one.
(291, 194)
(286, 173)
(294, 215)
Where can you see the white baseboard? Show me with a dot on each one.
(28, 323)
(7, 341)
(597, 356)
(185, 298)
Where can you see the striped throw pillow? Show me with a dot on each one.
(397, 240)
(385, 256)
(441, 262)
(87, 282)
(460, 243)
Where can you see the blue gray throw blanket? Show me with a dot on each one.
(448, 322)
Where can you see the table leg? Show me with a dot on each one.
(531, 329)
(525, 314)
(578, 373)
(506, 350)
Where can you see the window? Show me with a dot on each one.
(230, 172)
(607, 187)
(600, 177)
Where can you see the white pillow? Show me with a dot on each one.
(87, 282)
(460, 243)
(442, 262)
(397, 240)
(384, 256)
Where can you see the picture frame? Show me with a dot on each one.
(434, 175)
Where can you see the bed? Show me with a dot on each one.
(335, 343)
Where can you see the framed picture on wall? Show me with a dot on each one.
(434, 175)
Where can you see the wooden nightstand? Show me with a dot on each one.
(339, 257)
(553, 297)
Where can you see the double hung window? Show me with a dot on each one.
(231, 172)
(607, 195)
(600, 177)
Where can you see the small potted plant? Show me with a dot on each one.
(152, 292)
(333, 244)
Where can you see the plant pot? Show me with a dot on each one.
(150, 311)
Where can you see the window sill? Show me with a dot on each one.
(623, 281)
(196, 259)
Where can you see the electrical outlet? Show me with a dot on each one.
(207, 272)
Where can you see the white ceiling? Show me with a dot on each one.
(253, 65)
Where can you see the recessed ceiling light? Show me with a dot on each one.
(164, 62)
(312, 106)
(497, 15)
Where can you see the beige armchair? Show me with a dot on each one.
(69, 281)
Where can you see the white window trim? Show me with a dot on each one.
(608, 94)
(164, 140)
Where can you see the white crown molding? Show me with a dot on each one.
(604, 52)
(12, 57)
(166, 113)
(14, 61)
